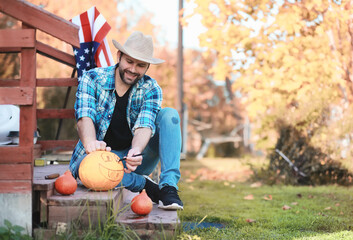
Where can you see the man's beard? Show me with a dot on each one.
(121, 73)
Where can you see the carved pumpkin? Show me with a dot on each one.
(101, 171)
(141, 204)
(65, 184)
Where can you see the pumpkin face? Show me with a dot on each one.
(141, 204)
(101, 171)
(65, 184)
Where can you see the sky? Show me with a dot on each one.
(166, 14)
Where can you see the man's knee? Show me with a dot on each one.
(170, 115)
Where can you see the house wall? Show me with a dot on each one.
(17, 208)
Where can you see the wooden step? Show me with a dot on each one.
(87, 208)
(157, 223)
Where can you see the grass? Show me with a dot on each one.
(219, 193)
(250, 210)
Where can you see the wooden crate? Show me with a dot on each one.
(84, 208)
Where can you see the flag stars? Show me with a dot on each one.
(82, 58)
(78, 65)
(88, 64)
(75, 52)
(86, 51)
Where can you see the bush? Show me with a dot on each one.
(12, 232)
(295, 161)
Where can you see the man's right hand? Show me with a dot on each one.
(97, 146)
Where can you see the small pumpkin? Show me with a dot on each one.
(66, 184)
(101, 171)
(141, 204)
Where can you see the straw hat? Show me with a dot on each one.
(140, 47)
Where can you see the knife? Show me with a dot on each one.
(136, 155)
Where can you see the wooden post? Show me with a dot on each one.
(180, 77)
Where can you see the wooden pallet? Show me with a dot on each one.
(87, 208)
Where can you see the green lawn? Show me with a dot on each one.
(250, 210)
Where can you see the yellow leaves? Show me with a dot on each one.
(302, 53)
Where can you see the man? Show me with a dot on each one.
(118, 109)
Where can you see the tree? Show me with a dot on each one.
(10, 67)
(295, 59)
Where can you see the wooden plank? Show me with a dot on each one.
(15, 154)
(10, 50)
(9, 82)
(16, 171)
(28, 121)
(85, 197)
(12, 38)
(37, 151)
(57, 82)
(57, 144)
(39, 173)
(15, 186)
(39, 18)
(42, 82)
(55, 54)
(55, 113)
(87, 216)
(17, 95)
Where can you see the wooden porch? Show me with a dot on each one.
(18, 174)
(55, 214)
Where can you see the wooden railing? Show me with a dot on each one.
(16, 161)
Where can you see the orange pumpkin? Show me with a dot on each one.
(141, 204)
(101, 171)
(65, 184)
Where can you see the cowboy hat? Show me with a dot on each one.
(140, 47)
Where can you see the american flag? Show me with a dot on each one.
(94, 49)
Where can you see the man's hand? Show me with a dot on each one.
(132, 162)
(97, 146)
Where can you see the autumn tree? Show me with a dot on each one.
(295, 63)
(10, 62)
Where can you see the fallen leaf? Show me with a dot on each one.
(328, 208)
(286, 207)
(341, 213)
(226, 183)
(249, 220)
(256, 185)
(268, 197)
(310, 196)
(337, 204)
(299, 195)
(249, 197)
(294, 203)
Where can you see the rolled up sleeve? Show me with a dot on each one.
(85, 105)
(152, 101)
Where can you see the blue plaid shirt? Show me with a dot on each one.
(95, 98)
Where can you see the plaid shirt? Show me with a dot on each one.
(95, 98)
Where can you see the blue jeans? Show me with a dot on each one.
(164, 146)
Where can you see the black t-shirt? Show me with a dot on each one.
(119, 135)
